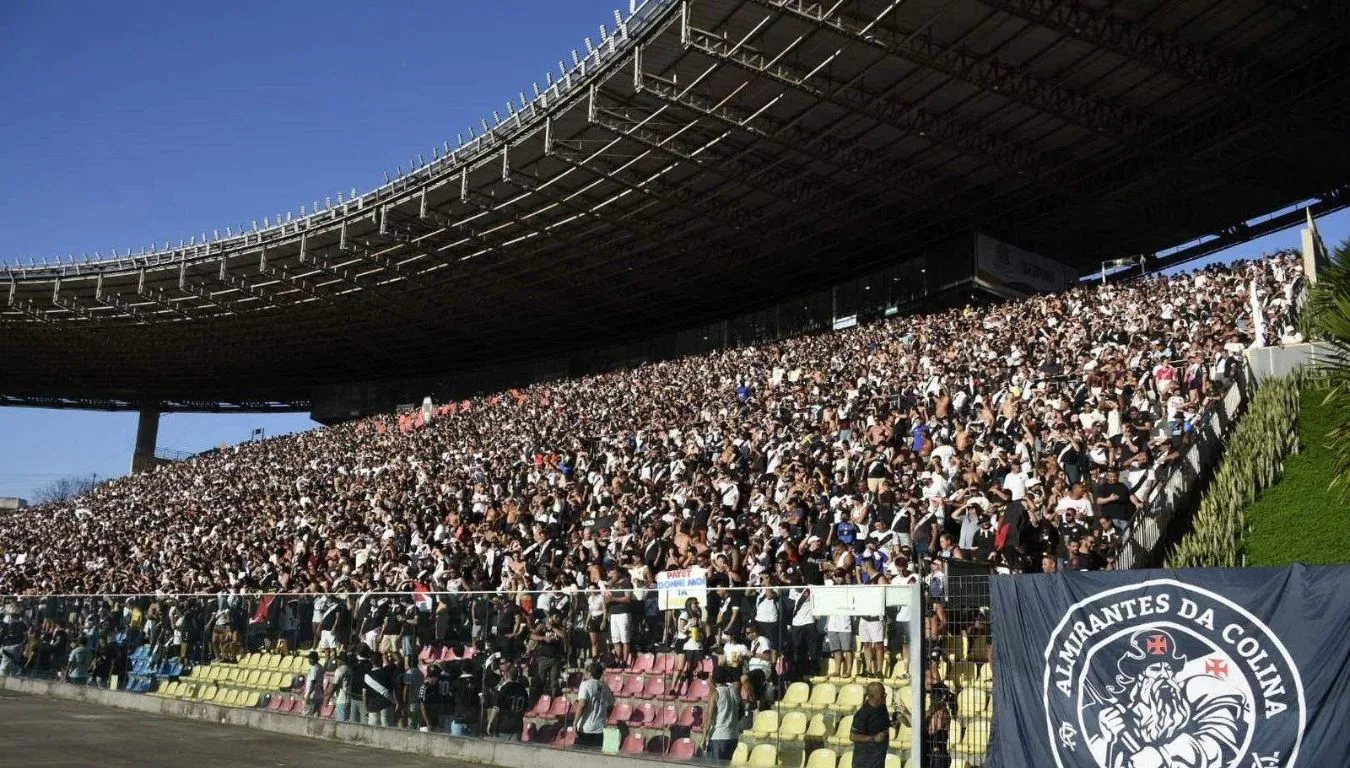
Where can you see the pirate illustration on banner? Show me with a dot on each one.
(1164, 712)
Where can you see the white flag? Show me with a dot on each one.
(1258, 319)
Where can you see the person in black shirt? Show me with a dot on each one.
(464, 703)
(1086, 557)
(512, 699)
(871, 732)
(429, 697)
(549, 644)
(380, 699)
(1114, 499)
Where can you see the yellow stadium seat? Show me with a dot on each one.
(797, 695)
(841, 731)
(170, 689)
(902, 698)
(819, 728)
(274, 662)
(299, 665)
(892, 760)
(845, 760)
(253, 677)
(965, 673)
(958, 763)
(231, 698)
(971, 701)
(821, 758)
(247, 660)
(822, 696)
(741, 755)
(902, 737)
(250, 699)
(899, 670)
(985, 677)
(764, 756)
(791, 756)
(279, 680)
(850, 698)
(765, 724)
(954, 734)
(792, 726)
(831, 670)
(975, 740)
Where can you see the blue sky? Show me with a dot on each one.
(134, 123)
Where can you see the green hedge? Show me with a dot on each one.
(1253, 461)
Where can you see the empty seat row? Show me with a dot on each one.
(655, 686)
(274, 662)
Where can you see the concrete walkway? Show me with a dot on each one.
(42, 732)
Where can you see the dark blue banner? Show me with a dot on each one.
(1207, 668)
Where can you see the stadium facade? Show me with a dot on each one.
(721, 172)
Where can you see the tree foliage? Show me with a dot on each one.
(1328, 313)
(64, 488)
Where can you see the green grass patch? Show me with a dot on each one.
(1299, 519)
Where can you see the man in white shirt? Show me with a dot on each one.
(1077, 500)
(594, 702)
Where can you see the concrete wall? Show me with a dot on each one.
(481, 751)
(1267, 362)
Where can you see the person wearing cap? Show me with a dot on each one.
(429, 699)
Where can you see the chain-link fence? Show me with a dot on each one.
(957, 667)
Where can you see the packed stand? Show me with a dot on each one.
(1024, 436)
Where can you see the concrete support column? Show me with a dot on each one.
(147, 433)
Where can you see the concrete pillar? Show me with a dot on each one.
(147, 433)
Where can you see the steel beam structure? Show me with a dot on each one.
(984, 72)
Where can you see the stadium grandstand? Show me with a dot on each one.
(536, 525)
(752, 349)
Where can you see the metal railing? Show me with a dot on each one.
(673, 661)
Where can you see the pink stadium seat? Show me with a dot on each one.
(559, 707)
(654, 689)
(527, 734)
(668, 716)
(426, 653)
(665, 663)
(274, 704)
(643, 714)
(683, 749)
(699, 690)
(644, 663)
(658, 745)
(691, 718)
(634, 744)
(327, 711)
(565, 738)
(540, 707)
(621, 712)
(706, 666)
(614, 681)
(632, 686)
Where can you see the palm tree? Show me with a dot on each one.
(1328, 312)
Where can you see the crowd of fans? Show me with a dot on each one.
(1024, 435)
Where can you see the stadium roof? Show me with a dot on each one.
(701, 158)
